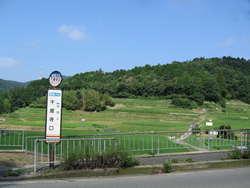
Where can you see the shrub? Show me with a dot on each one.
(196, 129)
(127, 160)
(106, 159)
(184, 103)
(194, 105)
(236, 154)
(222, 103)
(245, 154)
(167, 167)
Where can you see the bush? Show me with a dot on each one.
(167, 167)
(224, 110)
(226, 134)
(222, 103)
(106, 159)
(196, 129)
(245, 154)
(184, 103)
(236, 154)
(194, 105)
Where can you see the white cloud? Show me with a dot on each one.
(74, 33)
(8, 62)
(227, 42)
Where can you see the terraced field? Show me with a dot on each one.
(131, 116)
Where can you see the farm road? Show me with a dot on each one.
(186, 135)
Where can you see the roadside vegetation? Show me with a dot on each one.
(88, 159)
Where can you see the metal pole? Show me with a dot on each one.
(23, 141)
(241, 141)
(203, 140)
(167, 140)
(61, 149)
(138, 142)
(208, 140)
(26, 146)
(152, 143)
(35, 159)
(94, 143)
(14, 143)
(42, 151)
(51, 165)
(158, 143)
(129, 141)
(124, 142)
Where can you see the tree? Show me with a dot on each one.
(6, 106)
(211, 89)
(221, 83)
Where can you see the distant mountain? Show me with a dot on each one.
(8, 84)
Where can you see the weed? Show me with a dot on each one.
(167, 167)
(14, 172)
(174, 160)
(189, 160)
(224, 158)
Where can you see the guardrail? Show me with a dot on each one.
(29, 146)
(12, 138)
(64, 148)
(245, 144)
(156, 142)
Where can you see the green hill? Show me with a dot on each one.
(192, 82)
(7, 84)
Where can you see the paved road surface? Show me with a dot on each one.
(196, 157)
(220, 178)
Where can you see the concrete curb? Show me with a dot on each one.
(145, 169)
(12, 151)
(181, 153)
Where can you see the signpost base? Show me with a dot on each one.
(51, 165)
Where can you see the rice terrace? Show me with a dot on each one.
(134, 116)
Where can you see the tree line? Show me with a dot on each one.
(211, 79)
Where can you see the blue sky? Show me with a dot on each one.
(74, 36)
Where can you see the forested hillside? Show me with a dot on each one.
(213, 79)
(6, 85)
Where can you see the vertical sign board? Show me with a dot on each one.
(53, 115)
(54, 109)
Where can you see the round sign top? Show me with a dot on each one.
(55, 78)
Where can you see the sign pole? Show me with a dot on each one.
(51, 157)
(53, 115)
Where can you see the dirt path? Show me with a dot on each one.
(22, 127)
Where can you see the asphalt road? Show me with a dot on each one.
(196, 157)
(219, 178)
